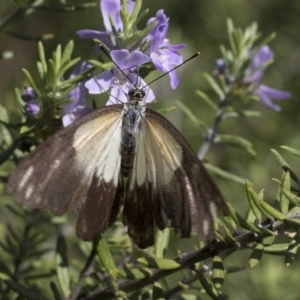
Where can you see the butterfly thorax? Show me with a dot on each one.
(133, 113)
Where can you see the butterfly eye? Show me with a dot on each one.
(137, 93)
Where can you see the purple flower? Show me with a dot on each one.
(255, 73)
(108, 8)
(116, 81)
(78, 107)
(28, 94)
(32, 108)
(163, 54)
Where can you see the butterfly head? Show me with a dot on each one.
(136, 96)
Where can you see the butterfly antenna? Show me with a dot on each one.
(102, 89)
(192, 57)
(107, 54)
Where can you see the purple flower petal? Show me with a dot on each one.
(94, 34)
(78, 112)
(265, 93)
(125, 60)
(32, 108)
(149, 95)
(162, 64)
(111, 8)
(100, 83)
(274, 93)
(118, 95)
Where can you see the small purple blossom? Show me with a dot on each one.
(220, 65)
(163, 54)
(32, 108)
(28, 94)
(116, 81)
(78, 107)
(255, 73)
(108, 8)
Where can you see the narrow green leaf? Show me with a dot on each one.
(292, 197)
(256, 255)
(284, 201)
(67, 52)
(211, 81)
(159, 263)
(291, 252)
(158, 292)
(31, 82)
(280, 159)
(224, 174)
(40, 69)
(230, 32)
(135, 13)
(162, 242)
(191, 116)
(253, 207)
(66, 66)
(62, 266)
(42, 56)
(208, 100)
(208, 287)
(51, 80)
(257, 202)
(7, 55)
(57, 55)
(134, 273)
(106, 258)
(269, 240)
(276, 249)
(272, 211)
(165, 110)
(238, 141)
(242, 113)
(292, 222)
(218, 272)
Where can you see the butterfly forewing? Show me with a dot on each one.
(77, 168)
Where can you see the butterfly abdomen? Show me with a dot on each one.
(130, 126)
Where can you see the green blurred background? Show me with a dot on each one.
(202, 26)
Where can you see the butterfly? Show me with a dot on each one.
(82, 167)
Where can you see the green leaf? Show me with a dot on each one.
(134, 273)
(214, 86)
(256, 255)
(242, 113)
(51, 80)
(208, 287)
(135, 13)
(284, 201)
(257, 202)
(238, 141)
(31, 82)
(57, 58)
(230, 32)
(162, 242)
(62, 266)
(208, 100)
(276, 249)
(292, 251)
(66, 66)
(280, 159)
(158, 292)
(293, 151)
(42, 56)
(191, 116)
(224, 174)
(293, 198)
(106, 258)
(67, 52)
(159, 263)
(218, 272)
(253, 207)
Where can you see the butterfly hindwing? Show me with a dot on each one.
(77, 168)
(168, 184)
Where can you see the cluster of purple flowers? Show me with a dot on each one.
(154, 47)
(254, 75)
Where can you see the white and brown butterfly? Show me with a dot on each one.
(82, 167)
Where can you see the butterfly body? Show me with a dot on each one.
(82, 168)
